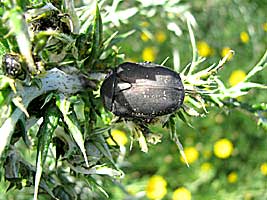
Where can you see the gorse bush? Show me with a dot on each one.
(57, 139)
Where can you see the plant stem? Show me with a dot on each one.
(55, 80)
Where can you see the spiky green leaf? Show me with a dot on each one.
(45, 134)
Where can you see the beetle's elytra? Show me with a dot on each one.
(142, 90)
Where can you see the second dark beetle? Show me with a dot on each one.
(142, 90)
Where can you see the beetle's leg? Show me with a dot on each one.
(142, 126)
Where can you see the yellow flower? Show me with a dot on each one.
(223, 148)
(181, 194)
(160, 37)
(264, 168)
(191, 155)
(149, 54)
(244, 37)
(205, 167)
(119, 137)
(232, 177)
(236, 77)
(264, 26)
(204, 49)
(144, 37)
(225, 51)
(156, 187)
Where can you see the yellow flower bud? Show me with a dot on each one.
(225, 51)
(181, 194)
(206, 167)
(144, 37)
(149, 54)
(156, 187)
(236, 77)
(191, 155)
(232, 177)
(264, 168)
(119, 137)
(244, 37)
(204, 49)
(160, 37)
(223, 148)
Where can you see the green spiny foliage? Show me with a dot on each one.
(53, 105)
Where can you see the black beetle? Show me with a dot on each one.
(142, 90)
(12, 65)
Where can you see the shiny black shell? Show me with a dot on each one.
(142, 90)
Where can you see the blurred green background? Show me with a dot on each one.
(226, 149)
(234, 168)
